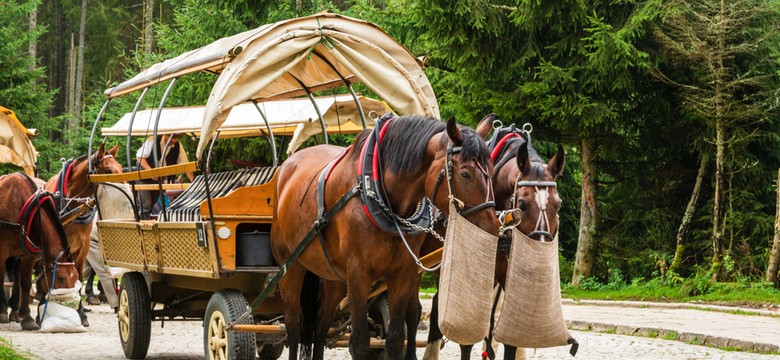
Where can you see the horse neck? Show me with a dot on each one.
(78, 182)
(404, 192)
(504, 179)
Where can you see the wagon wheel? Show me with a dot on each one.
(269, 351)
(379, 321)
(135, 315)
(227, 307)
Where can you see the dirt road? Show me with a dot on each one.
(183, 340)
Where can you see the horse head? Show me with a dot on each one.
(462, 164)
(64, 273)
(535, 197)
(525, 189)
(104, 162)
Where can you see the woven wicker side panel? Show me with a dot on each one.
(466, 281)
(532, 316)
(121, 244)
(151, 246)
(180, 250)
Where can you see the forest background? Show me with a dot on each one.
(668, 110)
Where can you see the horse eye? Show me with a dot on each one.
(522, 205)
(465, 174)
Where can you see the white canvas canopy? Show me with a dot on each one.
(296, 117)
(293, 57)
(15, 145)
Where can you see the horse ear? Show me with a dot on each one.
(114, 150)
(523, 160)
(454, 132)
(485, 125)
(557, 162)
(101, 150)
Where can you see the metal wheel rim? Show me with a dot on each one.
(218, 341)
(124, 317)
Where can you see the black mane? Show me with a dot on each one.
(404, 145)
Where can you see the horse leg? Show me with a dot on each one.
(3, 299)
(332, 294)
(413, 313)
(358, 283)
(435, 337)
(24, 273)
(401, 291)
(290, 290)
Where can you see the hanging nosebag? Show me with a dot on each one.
(59, 313)
(532, 316)
(466, 280)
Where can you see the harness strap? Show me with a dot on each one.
(62, 183)
(322, 222)
(302, 245)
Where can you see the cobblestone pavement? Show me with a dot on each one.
(182, 340)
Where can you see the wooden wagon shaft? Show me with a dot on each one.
(73, 214)
(374, 343)
(259, 328)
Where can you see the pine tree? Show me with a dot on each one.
(731, 82)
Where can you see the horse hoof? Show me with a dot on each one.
(93, 300)
(14, 316)
(4, 318)
(84, 322)
(103, 299)
(29, 324)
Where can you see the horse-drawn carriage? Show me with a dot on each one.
(207, 251)
(217, 244)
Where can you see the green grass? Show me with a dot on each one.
(748, 295)
(7, 351)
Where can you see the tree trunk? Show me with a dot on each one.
(717, 241)
(70, 90)
(686, 220)
(33, 46)
(586, 244)
(59, 76)
(80, 64)
(774, 258)
(148, 26)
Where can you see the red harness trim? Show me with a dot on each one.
(32, 248)
(500, 145)
(338, 160)
(67, 178)
(374, 165)
(375, 159)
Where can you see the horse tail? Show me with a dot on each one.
(309, 308)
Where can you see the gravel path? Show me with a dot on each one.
(183, 340)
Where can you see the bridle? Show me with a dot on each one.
(97, 162)
(460, 205)
(541, 195)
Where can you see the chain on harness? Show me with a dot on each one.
(459, 204)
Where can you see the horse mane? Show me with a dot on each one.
(406, 140)
(537, 171)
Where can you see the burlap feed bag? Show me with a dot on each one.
(532, 316)
(466, 281)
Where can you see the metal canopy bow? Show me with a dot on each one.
(296, 57)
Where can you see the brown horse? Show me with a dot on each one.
(72, 183)
(519, 175)
(30, 228)
(358, 245)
